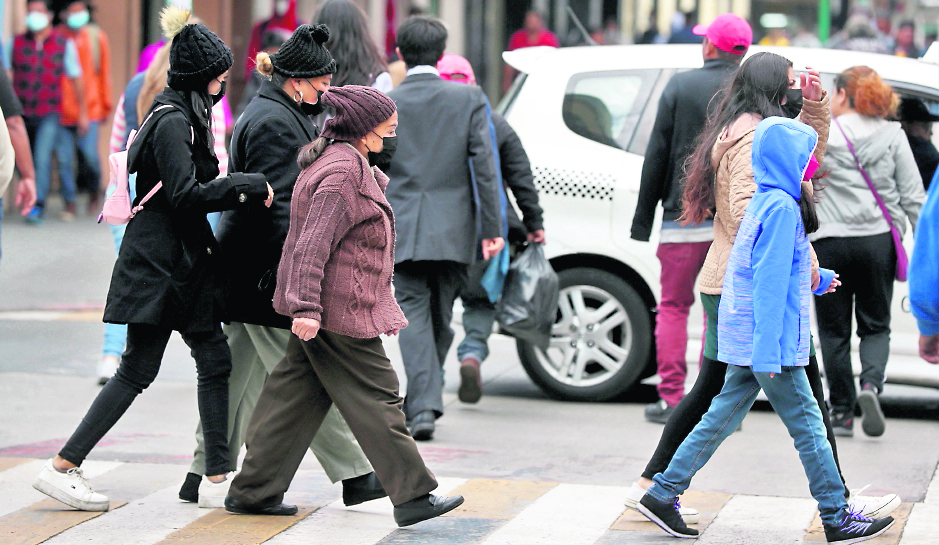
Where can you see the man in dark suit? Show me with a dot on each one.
(445, 195)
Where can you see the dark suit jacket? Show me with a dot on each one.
(444, 188)
(266, 140)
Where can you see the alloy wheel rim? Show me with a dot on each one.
(591, 339)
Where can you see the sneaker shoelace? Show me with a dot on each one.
(677, 506)
(855, 522)
(77, 472)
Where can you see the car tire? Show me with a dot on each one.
(612, 334)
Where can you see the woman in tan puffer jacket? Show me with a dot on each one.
(720, 182)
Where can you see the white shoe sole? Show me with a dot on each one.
(884, 509)
(211, 502)
(872, 421)
(661, 524)
(56, 494)
(860, 539)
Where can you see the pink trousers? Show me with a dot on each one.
(681, 263)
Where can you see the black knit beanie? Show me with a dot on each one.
(304, 55)
(197, 56)
(359, 109)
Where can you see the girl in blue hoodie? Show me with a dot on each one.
(763, 336)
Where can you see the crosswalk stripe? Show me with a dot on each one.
(498, 499)
(42, 520)
(745, 520)
(220, 527)
(920, 527)
(7, 463)
(153, 517)
(568, 513)
(16, 490)
(362, 524)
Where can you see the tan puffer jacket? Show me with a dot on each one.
(734, 185)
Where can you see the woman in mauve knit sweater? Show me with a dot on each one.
(334, 281)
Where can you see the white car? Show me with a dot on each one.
(584, 115)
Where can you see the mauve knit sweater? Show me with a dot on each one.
(338, 258)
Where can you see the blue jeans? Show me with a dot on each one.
(44, 137)
(478, 316)
(87, 145)
(791, 397)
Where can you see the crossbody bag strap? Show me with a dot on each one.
(158, 185)
(870, 183)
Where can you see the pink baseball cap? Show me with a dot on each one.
(729, 32)
(457, 69)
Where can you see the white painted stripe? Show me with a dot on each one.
(32, 315)
(16, 483)
(920, 526)
(759, 519)
(362, 524)
(568, 513)
(151, 518)
(932, 493)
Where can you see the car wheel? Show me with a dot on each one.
(600, 343)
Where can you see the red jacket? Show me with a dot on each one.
(338, 258)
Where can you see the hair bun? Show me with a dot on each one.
(172, 20)
(320, 33)
(263, 63)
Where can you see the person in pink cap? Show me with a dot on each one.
(682, 113)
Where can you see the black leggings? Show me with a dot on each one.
(139, 367)
(689, 411)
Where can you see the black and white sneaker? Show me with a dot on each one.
(666, 515)
(856, 528)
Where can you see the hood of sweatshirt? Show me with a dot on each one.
(782, 149)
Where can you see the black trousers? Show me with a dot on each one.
(139, 367)
(867, 266)
(426, 291)
(696, 402)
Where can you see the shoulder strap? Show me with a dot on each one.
(870, 183)
(158, 185)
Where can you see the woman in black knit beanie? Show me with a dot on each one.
(267, 139)
(167, 276)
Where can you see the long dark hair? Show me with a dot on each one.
(202, 104)
(757, 87)
(358, 59)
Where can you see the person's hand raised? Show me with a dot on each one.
(811, 84)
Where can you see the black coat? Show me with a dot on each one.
(682, 115)
(517, 177)
(167, 271)
(266, 140)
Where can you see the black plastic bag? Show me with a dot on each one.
(529, 303)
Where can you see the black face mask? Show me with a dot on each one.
(314, 109)
(382, 159)
(217, 97)
(793, 105)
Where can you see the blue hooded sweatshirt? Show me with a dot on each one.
(924, 265)
(763, 317)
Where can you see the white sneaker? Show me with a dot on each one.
(70, 488)
(636, 492)
(106, 368)
(874, 507)
(212, 495)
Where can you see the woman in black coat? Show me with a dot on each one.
(166, 277)
(267, 139)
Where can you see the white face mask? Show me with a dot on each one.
(36, 21)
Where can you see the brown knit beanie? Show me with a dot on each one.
(359, 109)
